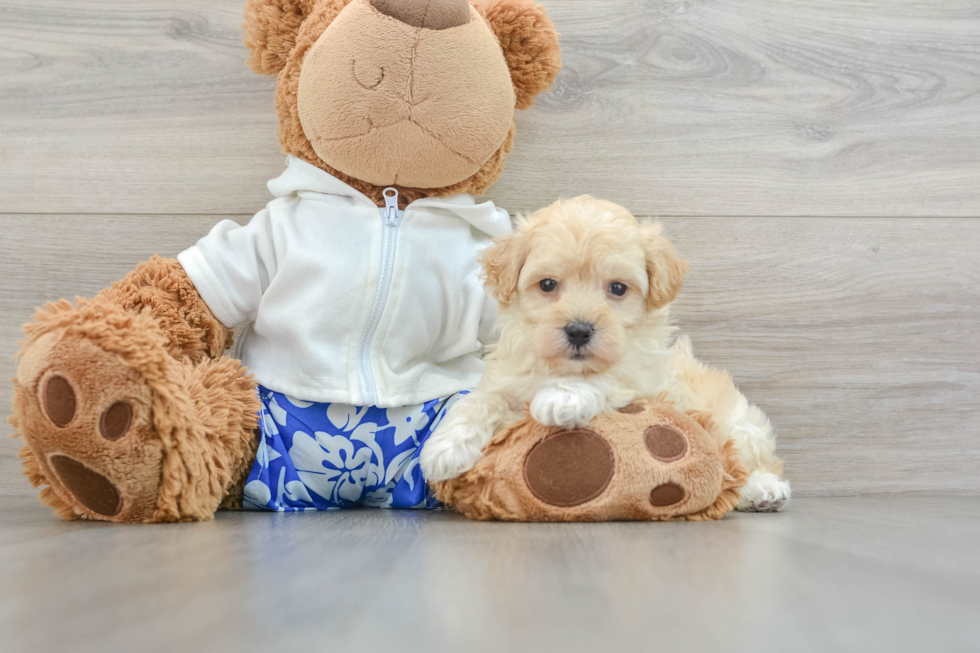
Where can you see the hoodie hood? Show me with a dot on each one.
(302, 177)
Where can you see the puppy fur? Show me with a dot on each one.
(584, 291)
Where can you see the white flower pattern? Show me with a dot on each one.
(318, 456)
(330, 466)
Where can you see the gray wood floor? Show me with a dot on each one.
(817, 161)
(831, 574)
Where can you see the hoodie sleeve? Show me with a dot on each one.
(232, 267)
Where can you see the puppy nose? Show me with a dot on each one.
(430, 14)
(579, 333)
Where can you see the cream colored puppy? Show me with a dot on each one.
(584, 291)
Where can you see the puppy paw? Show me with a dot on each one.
(763, 492)
(566, 405)
(452, 450)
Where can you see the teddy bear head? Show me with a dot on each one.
(415, 94)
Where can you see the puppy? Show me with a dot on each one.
(584, 293)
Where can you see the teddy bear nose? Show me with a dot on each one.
(430, 14)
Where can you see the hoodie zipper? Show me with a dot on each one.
(391, 219)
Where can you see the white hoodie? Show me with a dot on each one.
(349, 302)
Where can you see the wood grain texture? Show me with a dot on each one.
(857, 336)
(871, 574)
(672, 107)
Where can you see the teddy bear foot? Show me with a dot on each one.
(109, 420)
(86, 418)
(645, 462)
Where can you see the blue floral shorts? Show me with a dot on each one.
(317, 456)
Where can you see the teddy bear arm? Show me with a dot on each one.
(161, 288)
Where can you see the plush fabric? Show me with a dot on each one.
(530, 44)
(646, 462)
(409, 106)
(526, 78)
(191, 432)
(161, 287)
(271, 27)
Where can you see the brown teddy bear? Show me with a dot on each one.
(359, 281)
(646, 462)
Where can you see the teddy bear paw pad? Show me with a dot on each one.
(115, 420)
(569, 468)
(60, 404)
(666, 494)
(631, 409)
(59, 401)
(91, 489)
(87, 417)
(665, 443)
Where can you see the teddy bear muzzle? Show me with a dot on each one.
(378, 102)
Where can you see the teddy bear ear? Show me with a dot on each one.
(270, 31)
(530, 44)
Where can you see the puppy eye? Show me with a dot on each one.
(548, 285)
(618, 289)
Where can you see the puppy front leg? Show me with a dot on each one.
(573, 402)
(458, 441)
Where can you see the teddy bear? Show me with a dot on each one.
(358, 284)
(646, 461)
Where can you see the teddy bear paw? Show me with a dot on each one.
(644, 461)
(86, 417)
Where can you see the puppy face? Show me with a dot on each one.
(583, 275)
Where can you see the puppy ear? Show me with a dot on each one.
(502, 263)
(271, 27)
(530, 44)
(665, 270)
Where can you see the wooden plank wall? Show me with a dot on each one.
(817, 162)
